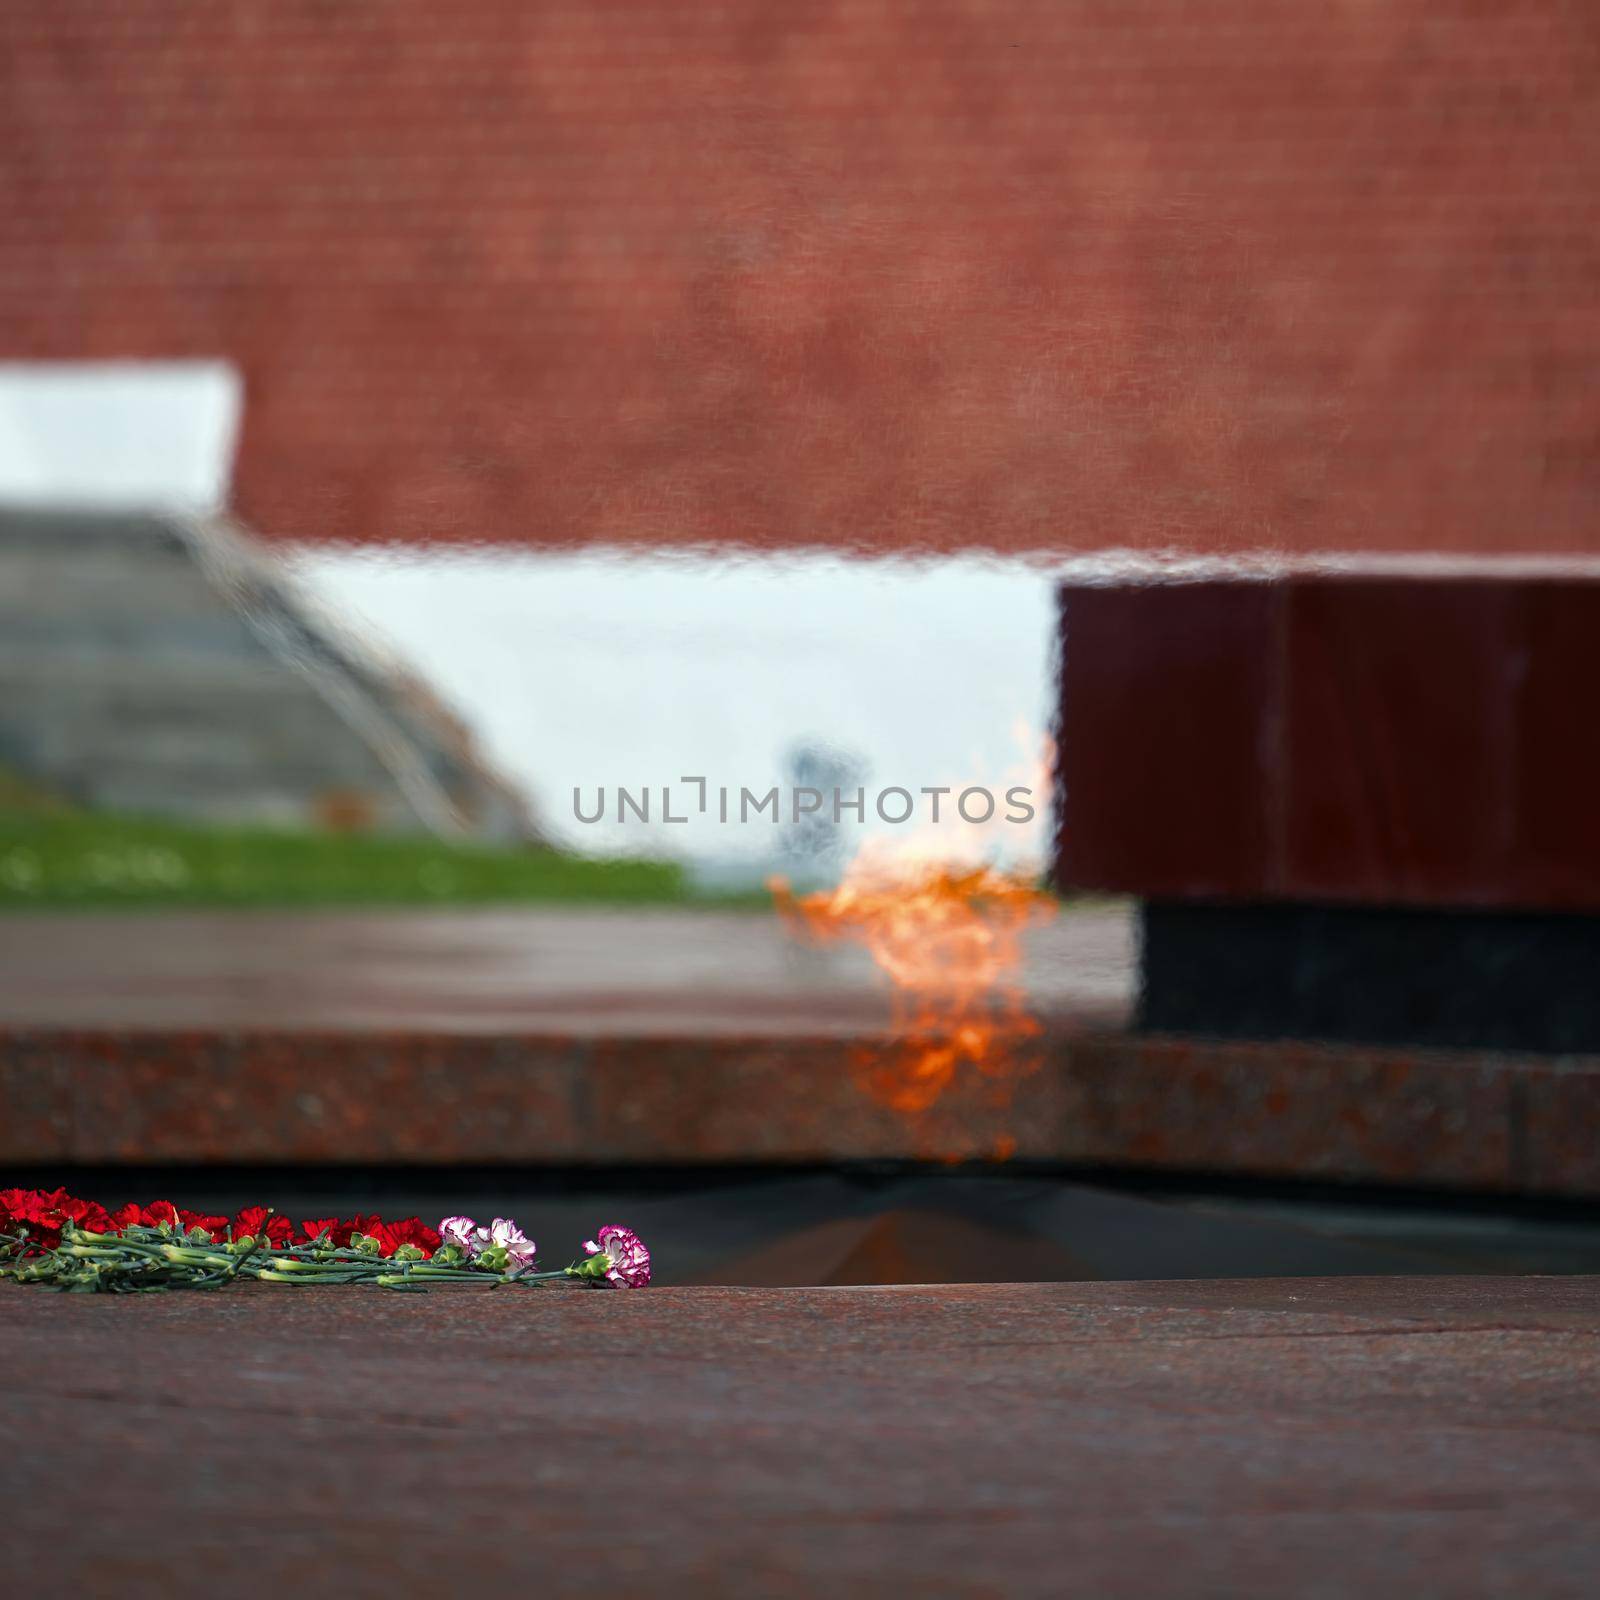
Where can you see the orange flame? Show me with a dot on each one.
(950, 940)
(947, 929)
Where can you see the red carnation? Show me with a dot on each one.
(93, 1217)
(158, 1212)
(69, 1208)
(390, 1235)
(42, 1223)
(380, 1230)
(43, 1214)
(215, 1226)
(125, 1216)
(21, 1209)
(256, 1221)
(315, 1227)
(14, 1207)
(414, 1231)
(369, 1223)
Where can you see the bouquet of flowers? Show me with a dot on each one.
(61, 1242)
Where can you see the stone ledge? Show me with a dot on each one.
(1478, 1122)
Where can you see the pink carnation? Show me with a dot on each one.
(462, 1232)
(627, 1260)
(519, 1248)
(467, 1236)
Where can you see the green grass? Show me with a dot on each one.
(62, 859)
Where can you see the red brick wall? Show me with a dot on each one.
(1059, 274)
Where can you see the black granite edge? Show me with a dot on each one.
(361, 1179)
(1524, 982)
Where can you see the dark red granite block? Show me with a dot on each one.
(1285, 1109)
(1418, 740)
(1555, 755)
(35, 1100)
(1559, 1128)
(321, 1097)
(1397, 784)
(1484, 1121)
(1168, 759)
(800, 1099)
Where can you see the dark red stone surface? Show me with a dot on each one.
(1554, 767)
(1393, 781)
(1165, 737)
(1412, 740)
(1347, 1437)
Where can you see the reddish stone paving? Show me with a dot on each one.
(1327, 1437)
(690, 1037)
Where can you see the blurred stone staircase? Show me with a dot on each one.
(172, 668)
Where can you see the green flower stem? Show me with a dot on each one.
(332, 1275)
(145, 1259)
(191, 1257)
(295, 1264)
(398, 1280)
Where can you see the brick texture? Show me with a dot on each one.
(1220, 275)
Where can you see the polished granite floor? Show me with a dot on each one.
(582, 972)
(1351, 1437)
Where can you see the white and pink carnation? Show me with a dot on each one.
(627, 1261)
(520, 1250)
(462, 1232)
